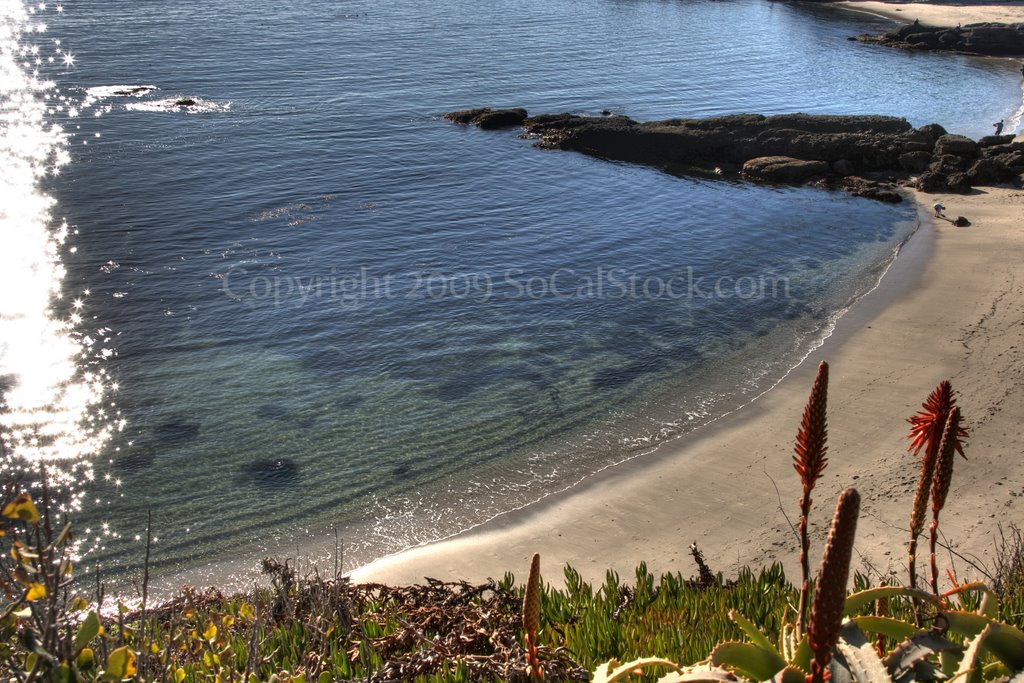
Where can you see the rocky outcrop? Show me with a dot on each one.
(489, 119)
(865, 155)
(784, 169)
(995, 40)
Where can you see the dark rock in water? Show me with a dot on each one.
(995, 40)
(961, 222)
(489, 119)
(789, 148)
(176, 430)
(606, 112)
(272, 411)
(783, 169)
(501, 118)
(185, 102)
(138, 90)
(466, 116)
(608, 378)
(273, 472)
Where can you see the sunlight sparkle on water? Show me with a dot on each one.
(55, 413)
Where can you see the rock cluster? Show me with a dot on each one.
(865, 155)
(958, 163)
(995, 40)
(489, 119)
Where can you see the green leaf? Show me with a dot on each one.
(612, 671)
(86, 659)
(887, 626)
(754, 634)
(803, 656)
(1004, 641)
(858, 600)
(748, 660)
(22, 508)
(88, 630)
(701, 676)
(970, 670)
(120, 664)
(62, 674)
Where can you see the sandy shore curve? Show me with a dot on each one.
(951, 306)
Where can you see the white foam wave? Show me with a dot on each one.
(106, 91)
(175, 104)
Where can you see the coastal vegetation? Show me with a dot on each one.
(302, 625)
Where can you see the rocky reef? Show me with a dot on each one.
(993, 40)
(865, 155)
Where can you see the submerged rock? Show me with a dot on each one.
(176, 430)
(273, 472)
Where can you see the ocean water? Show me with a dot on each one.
(309, 308)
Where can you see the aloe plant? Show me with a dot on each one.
(809, 461)
(842, 643)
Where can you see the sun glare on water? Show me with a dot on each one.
(56, 413)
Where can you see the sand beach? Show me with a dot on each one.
(940, 14)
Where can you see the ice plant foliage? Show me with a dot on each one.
(830, 594)
(809, 461)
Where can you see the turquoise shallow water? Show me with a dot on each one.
(325, 307)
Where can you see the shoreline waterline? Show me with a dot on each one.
(885, 356)
(899, 275)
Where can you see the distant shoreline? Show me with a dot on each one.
(936, 14)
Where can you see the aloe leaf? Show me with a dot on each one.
(803, 655)
(612, 671)
(754, 634)
(748, 660)
(1004, 641)
(698, 675)
(858, 600)
(887, 626)
(914, 650)
(970, 666)
(863, 662)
